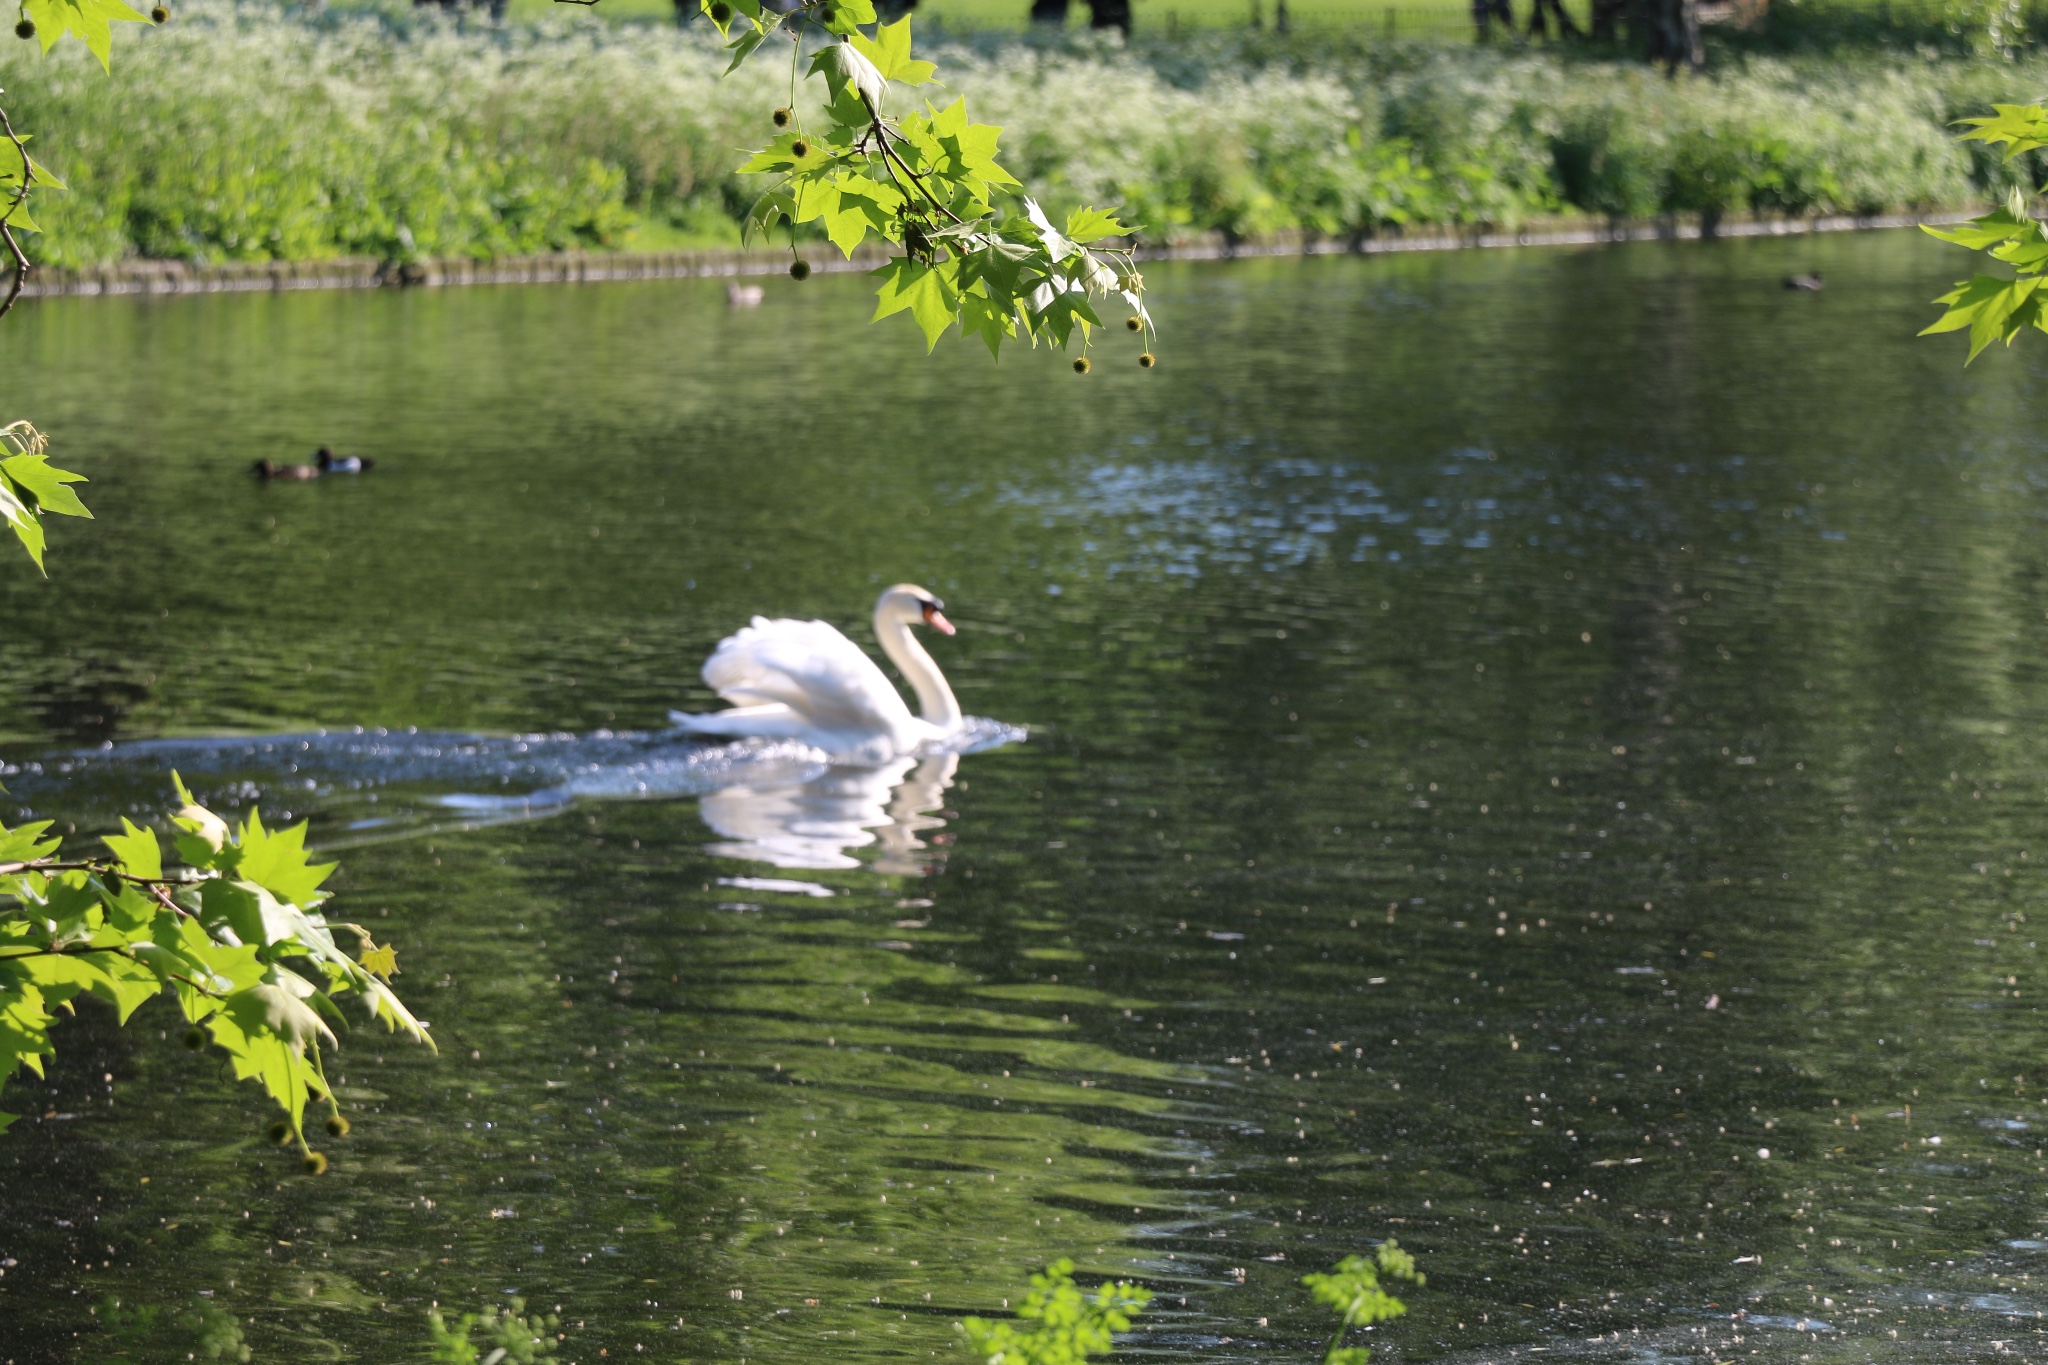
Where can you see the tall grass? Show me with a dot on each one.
(240, 132)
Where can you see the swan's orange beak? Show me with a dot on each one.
(936, 619)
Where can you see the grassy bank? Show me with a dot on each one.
(240, 134)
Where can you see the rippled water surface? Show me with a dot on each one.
(1538, 754)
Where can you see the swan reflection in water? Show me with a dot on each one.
(817, 821)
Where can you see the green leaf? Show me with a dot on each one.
(912, 285)
(28, 527)
(91, 20)
(378, 961)
(766, 214)
(1993, 309)
(278, 862)
(2022, 127)
(25, 842)
(743, 47)
(1997, 226)
(848, 15)
(137, 849)
(780, 155)
(847, 70)
(860, 204)
(1091, 225)
(889, 50)
(985, 318)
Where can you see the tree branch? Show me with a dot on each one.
(20, 263)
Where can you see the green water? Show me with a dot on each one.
(1514, 736)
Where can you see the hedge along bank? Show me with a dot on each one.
(246, 134)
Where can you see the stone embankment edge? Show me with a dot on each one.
(178, 277)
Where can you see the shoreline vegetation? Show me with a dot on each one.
(405, 143)
(139, 276)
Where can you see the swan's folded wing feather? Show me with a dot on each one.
(809, 667)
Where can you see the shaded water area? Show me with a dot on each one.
(1538, 754)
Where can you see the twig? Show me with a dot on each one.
(86, 865)
(6, 224)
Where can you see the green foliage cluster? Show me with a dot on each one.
(31, 487)
(509, 1337)
(235, 934)
(1065, 1327)
(1996, 307)
(1353, 1290)
(925, 182)
(243, 133)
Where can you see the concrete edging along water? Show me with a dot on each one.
(179, 277)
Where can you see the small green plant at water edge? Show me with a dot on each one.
(236, 935)
(508, 1337)
(1067, 1326)
(1353, 1290)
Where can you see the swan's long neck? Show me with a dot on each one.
(934, 698)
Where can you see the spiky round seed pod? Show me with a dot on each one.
(799, 270)
(1082, 364)
(1134, 324)
(280, 1132)
(799, 149)
(781, 117)
(1148, 360)
(159, 15)
(25, 29)
(721, 13)
(316, 1163)
(195, 1038)
(337, 1126)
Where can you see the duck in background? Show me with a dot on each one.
(265, 470)
(331, 463)
(743, 295)
(1812, 284)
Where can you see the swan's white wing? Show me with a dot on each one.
(812, 669)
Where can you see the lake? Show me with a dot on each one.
(1533, 753)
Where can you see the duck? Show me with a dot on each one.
(806, 681)
(1812, 284)
(264, 469)
(743, 295)
(331, 463)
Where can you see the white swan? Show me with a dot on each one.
(803, 680)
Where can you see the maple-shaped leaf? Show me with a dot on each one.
(380, 960)
(923, 290)
(43, 479)
(2022, 127)
(91, 20)
(889, 50)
